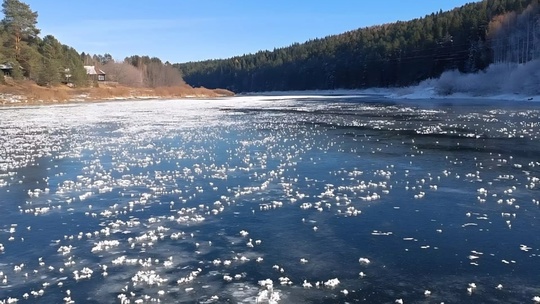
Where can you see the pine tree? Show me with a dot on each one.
(51, 72)
(20, 24)
(30, 60)
(75, 67)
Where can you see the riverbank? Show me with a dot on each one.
(28, 93)
(400, 93)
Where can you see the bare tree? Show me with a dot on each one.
(515, 38)
(123, 73)
(158, 74)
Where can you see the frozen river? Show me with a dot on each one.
(276, 199)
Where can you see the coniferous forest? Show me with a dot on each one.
(43, 60)
(468, 39)
(47, 62)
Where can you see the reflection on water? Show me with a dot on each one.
(270, 199)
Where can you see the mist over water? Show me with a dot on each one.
(276, 199)
(497, 79)
(515, 73)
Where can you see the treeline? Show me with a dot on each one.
(43, 60)
(136, 71)
(397, 54)
(47, 62)
(515, 37)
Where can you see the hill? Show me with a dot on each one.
(467, 39)
(36, 69)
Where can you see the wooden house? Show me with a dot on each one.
(6, 68)
(94, 73)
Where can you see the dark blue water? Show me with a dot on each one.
(140, 201)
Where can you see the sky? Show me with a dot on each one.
(192, 30)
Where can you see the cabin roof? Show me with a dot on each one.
(92, 70)
(6, 66)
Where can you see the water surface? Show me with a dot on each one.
(202, 200)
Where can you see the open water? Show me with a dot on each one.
(275, 199)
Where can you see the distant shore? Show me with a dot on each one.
(28, 93)
(398, 93)
(22, 94)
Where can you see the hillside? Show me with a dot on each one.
(467, 39)
(37, 69)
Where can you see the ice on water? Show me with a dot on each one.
(269, 199)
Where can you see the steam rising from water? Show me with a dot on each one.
(505, 81)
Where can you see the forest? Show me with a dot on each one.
(47, 62)
(32, 57)
(466, 39)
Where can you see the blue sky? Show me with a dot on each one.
(192, 30)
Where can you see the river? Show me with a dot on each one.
(276, 199)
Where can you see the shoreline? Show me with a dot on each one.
(119, 99)
(29, 94)
(401, 93)
(146, 94)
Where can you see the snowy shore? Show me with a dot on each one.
(406, 93)
(503, 81)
